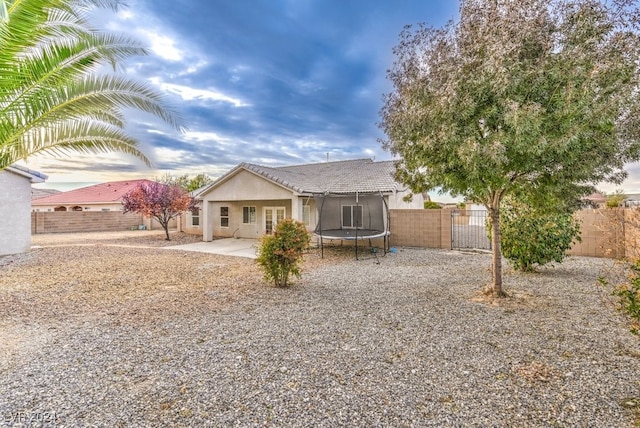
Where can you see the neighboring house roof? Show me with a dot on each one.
(359, 175)
(41, 193)
(34, 176)
(596, 197)
(100, 193)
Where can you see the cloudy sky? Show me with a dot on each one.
(272, 82)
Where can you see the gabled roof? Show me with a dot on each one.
(359, 175)
(110, 192)
(33, 176)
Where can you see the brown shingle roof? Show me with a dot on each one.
(99, 193)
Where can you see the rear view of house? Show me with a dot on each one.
(250, 200)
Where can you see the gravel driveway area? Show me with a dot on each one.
(115, 332)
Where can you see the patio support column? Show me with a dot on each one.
(296, 210)
(207, 221)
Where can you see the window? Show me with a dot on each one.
(248, 215)
(306, 215)
(352, 216)
(195, 218)
(224, 216)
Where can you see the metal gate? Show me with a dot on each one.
(469, 229)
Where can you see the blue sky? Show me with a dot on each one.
(272, 82)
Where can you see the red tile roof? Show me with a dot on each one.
(99, 193)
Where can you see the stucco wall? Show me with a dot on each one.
(396, 201)
(236, 228)
(247, 186)
(185, 224)
(15, 204)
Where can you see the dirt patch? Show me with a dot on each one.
(139, 238)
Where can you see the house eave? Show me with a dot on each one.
(33, 176)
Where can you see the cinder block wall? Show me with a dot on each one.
(83, 221)
(605, 232)
(421, 228)
(602, 233)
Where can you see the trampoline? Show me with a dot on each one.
(352, 235)
(352, 217)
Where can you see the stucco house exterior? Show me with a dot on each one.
(249, 200)
(15, 205)
(99, 197)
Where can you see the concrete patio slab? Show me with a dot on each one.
(239, 247)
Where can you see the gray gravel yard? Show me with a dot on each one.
(125, 334)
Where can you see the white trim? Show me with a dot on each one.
(274, 216)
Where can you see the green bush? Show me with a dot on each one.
(629, 294)
(615, 200)
(430, 205)
(530, 238)
(280, 254)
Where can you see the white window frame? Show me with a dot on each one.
(352, 220)
(274, 213)
(249, 213)
(224, 217)
(195, 217)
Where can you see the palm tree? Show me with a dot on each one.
(54, 95)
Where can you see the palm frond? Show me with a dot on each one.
(85, 136)
(51, 97)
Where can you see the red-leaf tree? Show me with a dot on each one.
(159, 201)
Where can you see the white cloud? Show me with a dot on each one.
(194, 68)
(203, 136)
(126, 15)
(189, 94)
(162, 45)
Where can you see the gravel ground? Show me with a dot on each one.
(123, 334)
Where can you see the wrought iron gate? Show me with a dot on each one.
(469, 229)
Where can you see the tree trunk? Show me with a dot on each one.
(165, 225)
(494, 215)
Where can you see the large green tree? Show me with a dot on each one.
(56, 94)
(535, 98)
(184, 181)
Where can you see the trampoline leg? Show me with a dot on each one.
(375, 253)
(357, 249)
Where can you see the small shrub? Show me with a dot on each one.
(615, 200)
(629, 294)
(280, 254)
(531, 238)
(430, 205)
